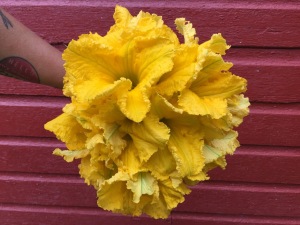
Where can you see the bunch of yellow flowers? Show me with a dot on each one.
(149, 116)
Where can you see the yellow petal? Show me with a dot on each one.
(111, 193)
(94, 140)
(218, 148)
(151, 62)
(96, 88)
(212, 65)
(94, 171)
(195, 105)
(81, 113)
(135, 104)
(186, 146)
(88, 58)
(69, 156)
(185, 69)
(142, 184)
(161, 164)
(217, 44)
(129, 161)
(172, 196)
(113, 138)
(154, 58)
(186, 29)
(238, 108)
(223, 86)
(122, 16)
(148, 136)
(162, 108)
(157, 209)
(68, 130)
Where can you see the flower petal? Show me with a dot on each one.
(68, 130)
(238, 108)
(69, 156)
(195, 105)
(122, 16)
(95, 88)
(217, 148)
(114, 140)
(129, 161)
(186, 29)
(185, 69)
(162, 108)
(186, 146)
(212, 65)
(157, 209)
(135, 104)
(148, 136)
(94, 170)
(142, 184)
(172, 196)
(224, 85)
(159, 158)
(86, 59)
(111, 194)
(217, 44)
(151, 62)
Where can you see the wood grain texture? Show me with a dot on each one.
(261, 164)
(217, 219)
(278, 123)
(26, 115)
(10, 86)
(17, 153)
(243, 199)
(272, 74)
(261, 184)
(208, 197)
(272, 164)
(45, 215)
(271, 124)
(36, 215)
(243, 24)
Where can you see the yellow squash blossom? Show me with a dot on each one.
(149, 116)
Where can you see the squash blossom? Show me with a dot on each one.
(149, 116)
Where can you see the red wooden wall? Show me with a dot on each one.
(261, 184)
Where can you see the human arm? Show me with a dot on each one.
(24, 55)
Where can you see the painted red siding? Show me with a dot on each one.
(261, 184)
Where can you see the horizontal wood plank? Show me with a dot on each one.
(272, 76)
(271, 124)
(208, 197)
(267, 124)
(243, 24)
(37, 215)
(216, 219)
(243, 199)
(41, 189)
(261, 164)
(34, 155)
(261, 184)
(27, 215)
(26, 115)
(11, 86)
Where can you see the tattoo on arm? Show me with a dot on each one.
(19, 68)
(5, 20)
